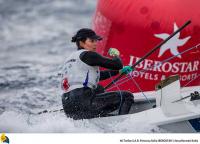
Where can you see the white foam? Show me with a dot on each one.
(59, 123)
(15, 122)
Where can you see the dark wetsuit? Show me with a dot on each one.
(85, 103)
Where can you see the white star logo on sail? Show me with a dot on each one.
(173, 43)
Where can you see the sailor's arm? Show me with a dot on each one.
(95, 59)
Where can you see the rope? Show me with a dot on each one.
(121, 99)
(191, 81)
(123, 80)
(141, 90)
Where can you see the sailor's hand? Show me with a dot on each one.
(113, 52)
(126, 70)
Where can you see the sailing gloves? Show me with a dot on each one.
(126, 70)
(113, 52)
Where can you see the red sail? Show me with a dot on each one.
(135, 27)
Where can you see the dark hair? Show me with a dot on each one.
(78, 42)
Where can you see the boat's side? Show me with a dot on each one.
(180, 116)
(149, 100)
(185, 123)
(189, 122)
(187, 126)
(174, 112)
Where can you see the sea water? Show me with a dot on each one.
(35, 39)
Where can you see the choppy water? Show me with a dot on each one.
(34, 42)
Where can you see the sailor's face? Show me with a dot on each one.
(89, 44)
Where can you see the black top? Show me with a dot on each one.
(95, 59)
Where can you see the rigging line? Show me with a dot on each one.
(123, 80)
(191, 81)
(140, 89)
(121, 99)
(150, 52)
(168, 59)
(137, 85)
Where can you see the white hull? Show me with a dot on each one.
(179, 124)
(180, 117)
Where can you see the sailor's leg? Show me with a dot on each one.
(70, 106)
(127, 101)
(77, 103)
(110, 101)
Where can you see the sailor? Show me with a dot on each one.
(83, 98)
